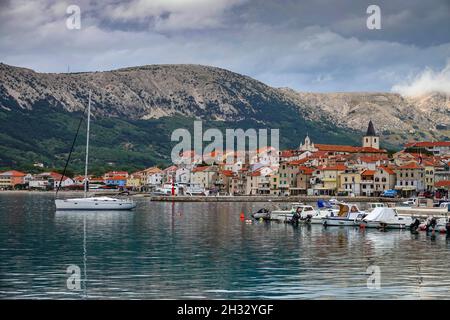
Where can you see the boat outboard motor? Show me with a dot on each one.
(413, 226)
(431, 224)
(447, 226)
(295, 218)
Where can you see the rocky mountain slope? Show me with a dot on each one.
(397, 118)
(136, 108)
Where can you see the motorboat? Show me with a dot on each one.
(383, 217)
(262, 213)
(301, 210)
(348, 215)
(95, 203)
(89, 203)
(324, 209)
(372, 205)
(285, 213)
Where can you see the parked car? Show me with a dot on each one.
(390, 193)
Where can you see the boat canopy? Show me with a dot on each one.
(345, 208)
(381, 214)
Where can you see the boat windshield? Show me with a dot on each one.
(343, 210)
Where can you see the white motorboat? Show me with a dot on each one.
(262, 213)
(286, 215)
(95, 203)
(383, 217)
(348, 215)
(319, 215)
(90, 203)
(372, 205)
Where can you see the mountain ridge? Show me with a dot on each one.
(134, 109)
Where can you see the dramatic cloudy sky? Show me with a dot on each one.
(319, 45)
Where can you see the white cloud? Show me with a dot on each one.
(428, 81)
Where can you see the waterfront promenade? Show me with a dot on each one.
(268, 199)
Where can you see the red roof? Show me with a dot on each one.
(411, 165)
(13, 173)
(227, 173)
(428, 144)
(297, 162)
(306, 170)
(387, 169)
(368, 173)
(337, 148)
(117, 178)
(256, 173)
(443, 183)
(200, 169)
(338, 167)
(348, 149)
(319, 154)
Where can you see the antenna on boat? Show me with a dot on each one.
(86, 188)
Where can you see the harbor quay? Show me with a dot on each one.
(268, 199)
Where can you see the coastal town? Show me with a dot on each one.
(419, 169)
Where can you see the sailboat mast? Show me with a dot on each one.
(87, 147)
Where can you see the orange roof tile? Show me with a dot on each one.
(411, 165)
(368, 173)
(227, 173)
(428, 144)
(387, 169)
(443, 183)
(338, 167)
(13, 173)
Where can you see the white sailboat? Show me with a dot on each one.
(93, 203)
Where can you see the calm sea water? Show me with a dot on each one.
(203, 250)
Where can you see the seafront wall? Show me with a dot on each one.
(267, 199)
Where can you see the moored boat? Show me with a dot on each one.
(90, 203)
(262, 213)
(383, 217)
(348, 215)
(94, 203)
(302, 211)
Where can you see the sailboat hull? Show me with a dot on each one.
(94, 204)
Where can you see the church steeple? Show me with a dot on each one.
(371, 130)
(371, 140)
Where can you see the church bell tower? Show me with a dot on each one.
(371, 139)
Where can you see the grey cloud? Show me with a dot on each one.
(313, 46)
